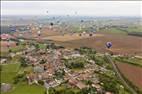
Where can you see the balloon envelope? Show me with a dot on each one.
(108, 44)
(51, 24)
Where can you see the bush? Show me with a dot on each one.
(41, 82)
(88, 90)
(23, 62)
(18, 78)
(42, 61)
(59, 73)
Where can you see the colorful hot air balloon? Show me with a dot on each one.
(108, 44)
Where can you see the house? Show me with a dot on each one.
(6, 36)
(108, 93)
(3, 61)
(80, 85)
(5, 87)
(74, 82)
(38, 69)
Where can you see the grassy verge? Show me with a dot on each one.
(129, 60)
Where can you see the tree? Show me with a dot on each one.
(88, 90)
(18, 78)
(41, 82)
(51, 90)
(23, 62)
(59, 73)
(42, 61)
(37, 46)
(9, 50)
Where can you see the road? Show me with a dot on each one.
(119, 74)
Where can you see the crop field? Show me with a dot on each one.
(132, 73)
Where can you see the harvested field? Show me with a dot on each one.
(122, 44)
(70, 37)
(132, 73)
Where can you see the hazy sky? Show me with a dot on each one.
(91, 8)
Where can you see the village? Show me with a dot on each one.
(49, 67)
(71, 47)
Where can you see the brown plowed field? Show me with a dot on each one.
(122, 44)
(132, 73)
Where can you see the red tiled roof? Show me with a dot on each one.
(6, 36)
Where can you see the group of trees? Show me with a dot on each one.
(74, 63)
(43, 61)
(59, 73)
(109, 83)
(89, 52)
(86, 50)
(23, 62)
(19, 77)
(66, 90)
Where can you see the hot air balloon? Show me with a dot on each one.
(39, 33)
(51, 24)
(40, 27)
(108, 44)
(82, 21)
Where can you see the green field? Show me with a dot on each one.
(113, 31)
(24, 88)
(137, 28)
(17, 48)
(9, 71)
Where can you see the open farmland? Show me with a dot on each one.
(132, 73)
(122, 44)
(70, 37)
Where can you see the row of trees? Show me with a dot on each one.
(86, 50)
(66, 90)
